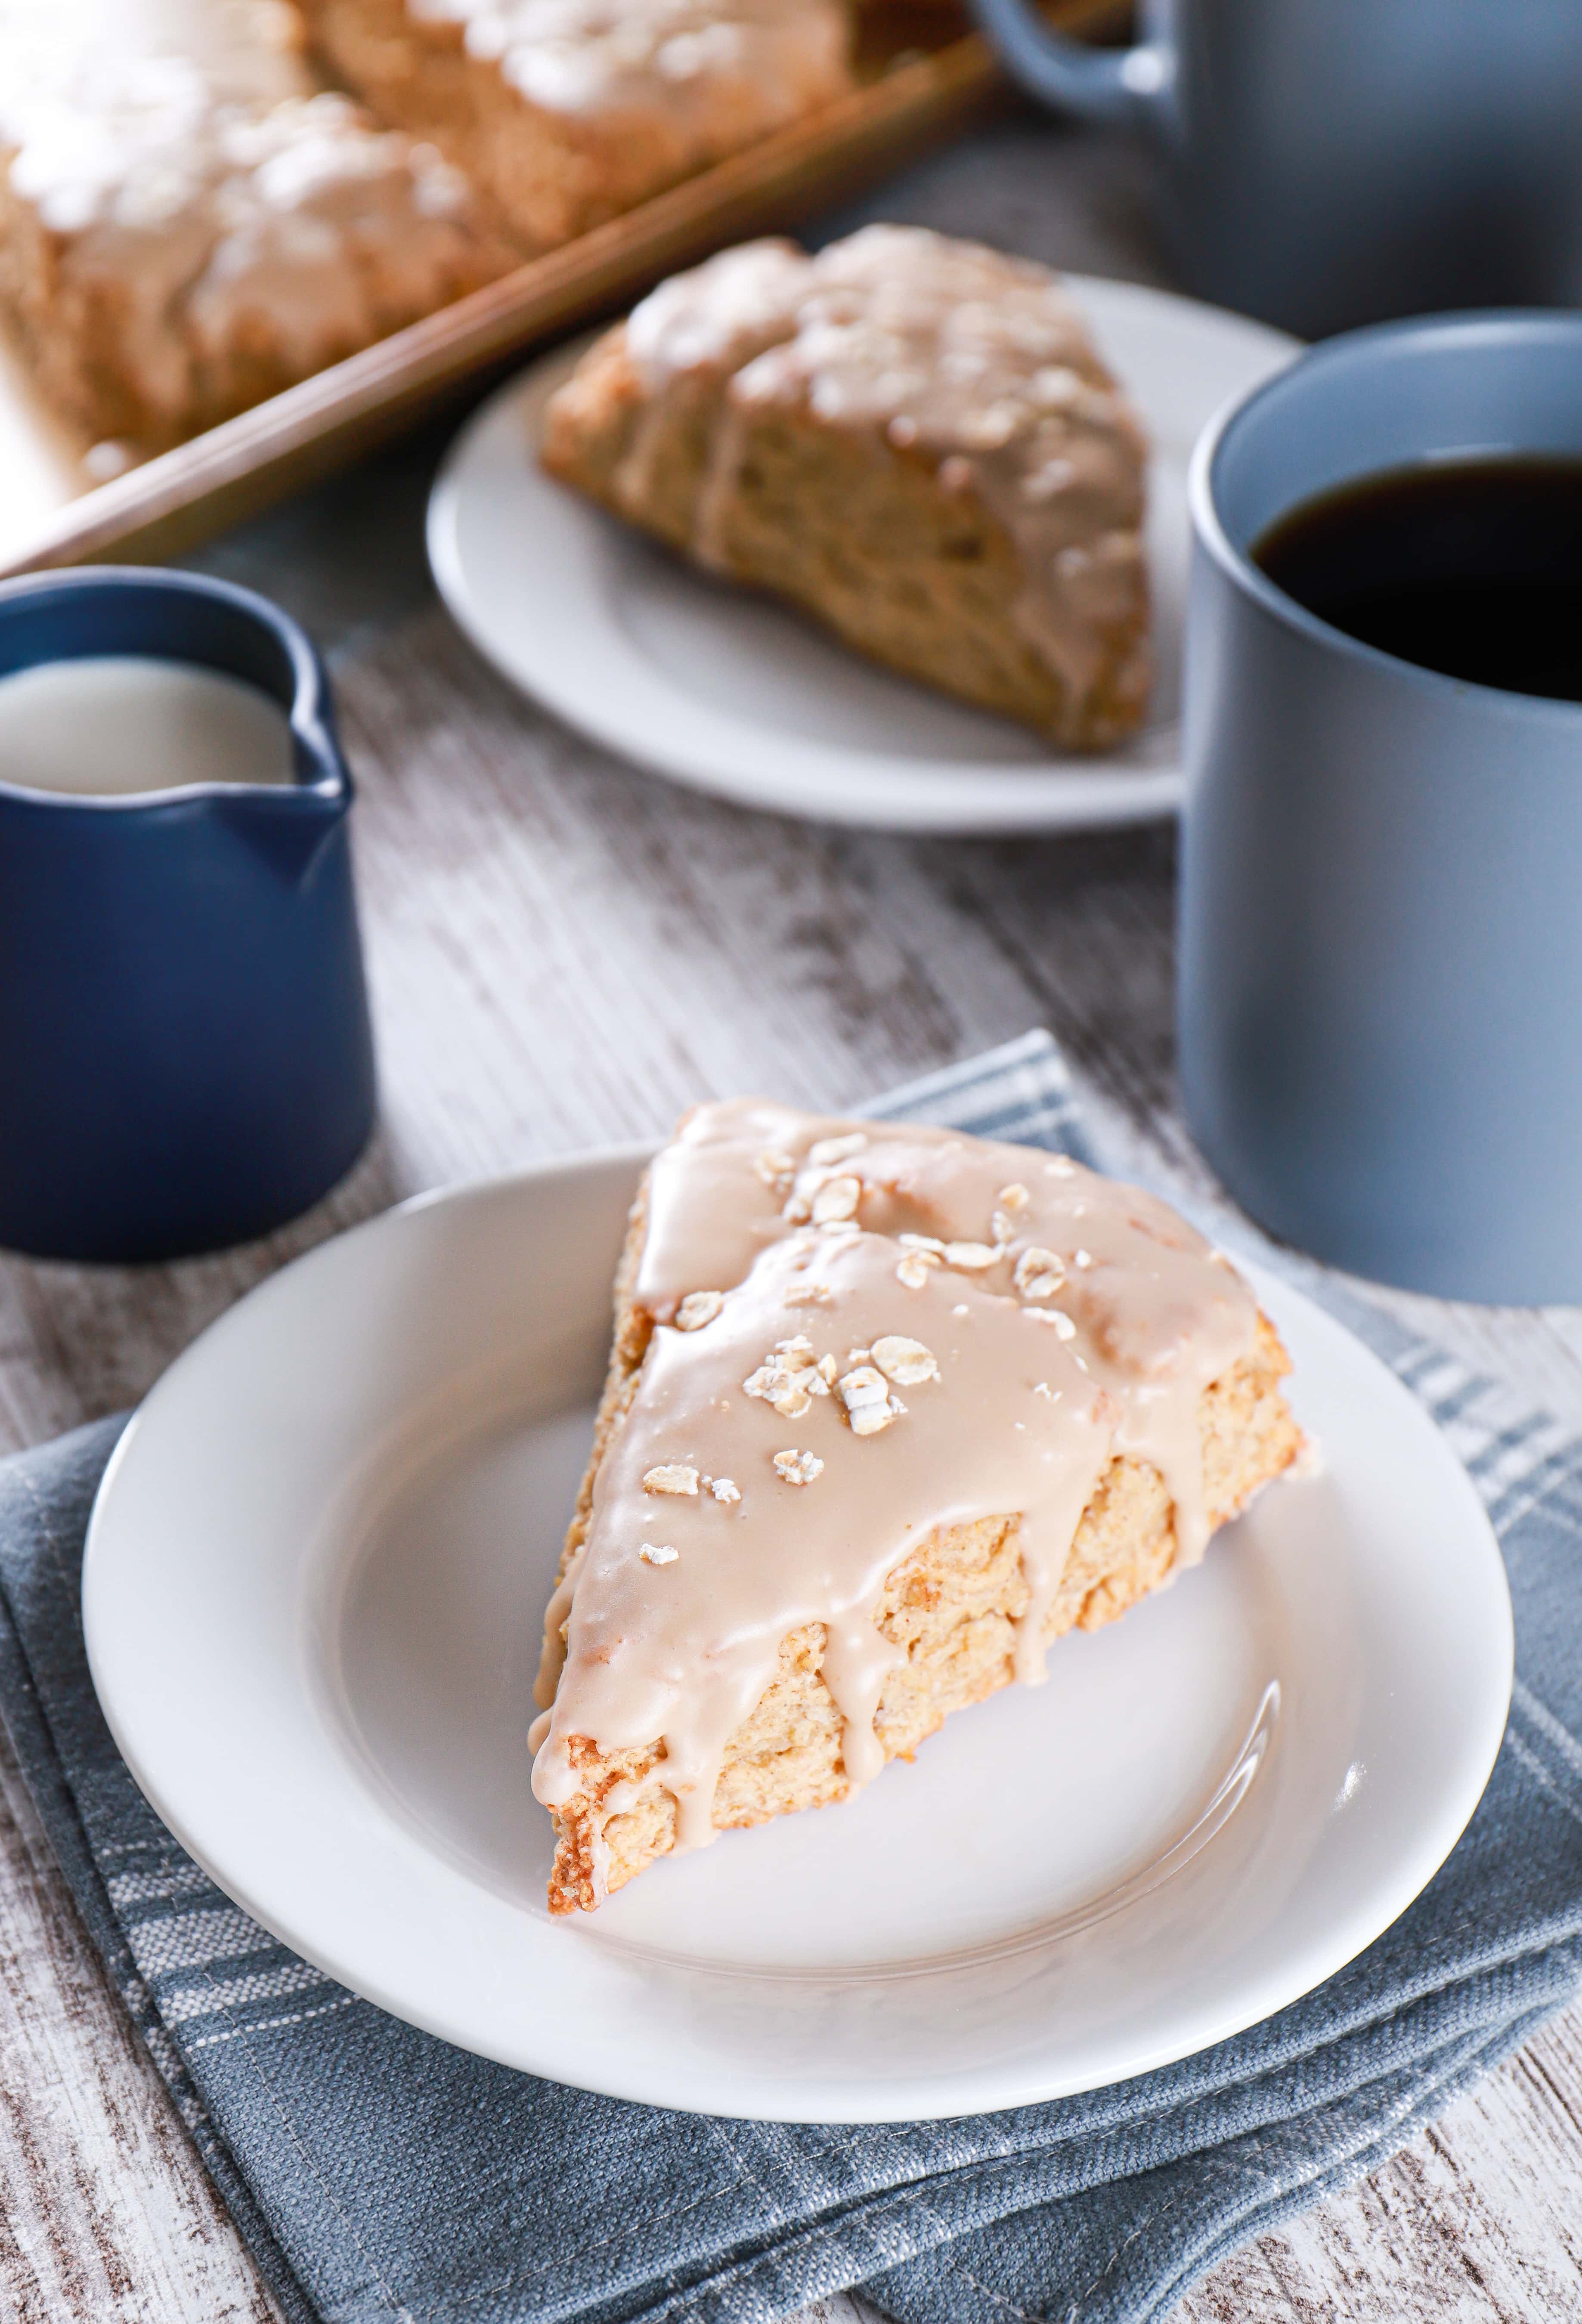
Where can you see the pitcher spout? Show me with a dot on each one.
(288, 827)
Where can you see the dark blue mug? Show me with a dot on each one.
(185, 1050)
(1380, 978)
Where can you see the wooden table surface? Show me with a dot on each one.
(563, 953)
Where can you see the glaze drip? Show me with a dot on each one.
(869, 1332)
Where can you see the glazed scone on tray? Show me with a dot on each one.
(188, 223)
(888, 1409)
(569, 112)
(912, 439)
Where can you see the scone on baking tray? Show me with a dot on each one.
(567, 112)
(911, 438)
(888, 1410)
(188, 223)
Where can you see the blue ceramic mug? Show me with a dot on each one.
(1380, 982)
(1329, 163)
(185, 1050)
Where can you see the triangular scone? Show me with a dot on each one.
(913, 439)
(889, 1408)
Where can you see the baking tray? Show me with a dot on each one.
(922, 80)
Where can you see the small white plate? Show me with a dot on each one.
(314, 1585)
(733, 694)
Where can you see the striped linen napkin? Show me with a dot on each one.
(379, 2174)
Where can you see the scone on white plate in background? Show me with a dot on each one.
(188, 223)
(889, 1410)
(913, 439)
(567, 112)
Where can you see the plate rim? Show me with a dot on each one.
(965, 798)
(1302, 1969)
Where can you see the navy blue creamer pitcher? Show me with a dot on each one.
(186, 1058)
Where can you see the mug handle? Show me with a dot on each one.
(1126, 85)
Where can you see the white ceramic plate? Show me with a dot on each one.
(314, 1584)
(733, 694)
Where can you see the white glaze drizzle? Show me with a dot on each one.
(841, 1249)
(708, 73)
(207, 192)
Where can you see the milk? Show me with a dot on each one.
(111, 725)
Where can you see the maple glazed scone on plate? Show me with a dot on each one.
(911, 438)
(189, 223)
(889, 1408)
(567, 112)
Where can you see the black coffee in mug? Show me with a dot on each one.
(1470, 566)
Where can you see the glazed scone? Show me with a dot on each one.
(569, 112)
(888, 1410)
(911, 438)
(188, 223)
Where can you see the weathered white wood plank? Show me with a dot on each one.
(105, 2210)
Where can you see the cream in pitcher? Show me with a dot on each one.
(113, 725)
